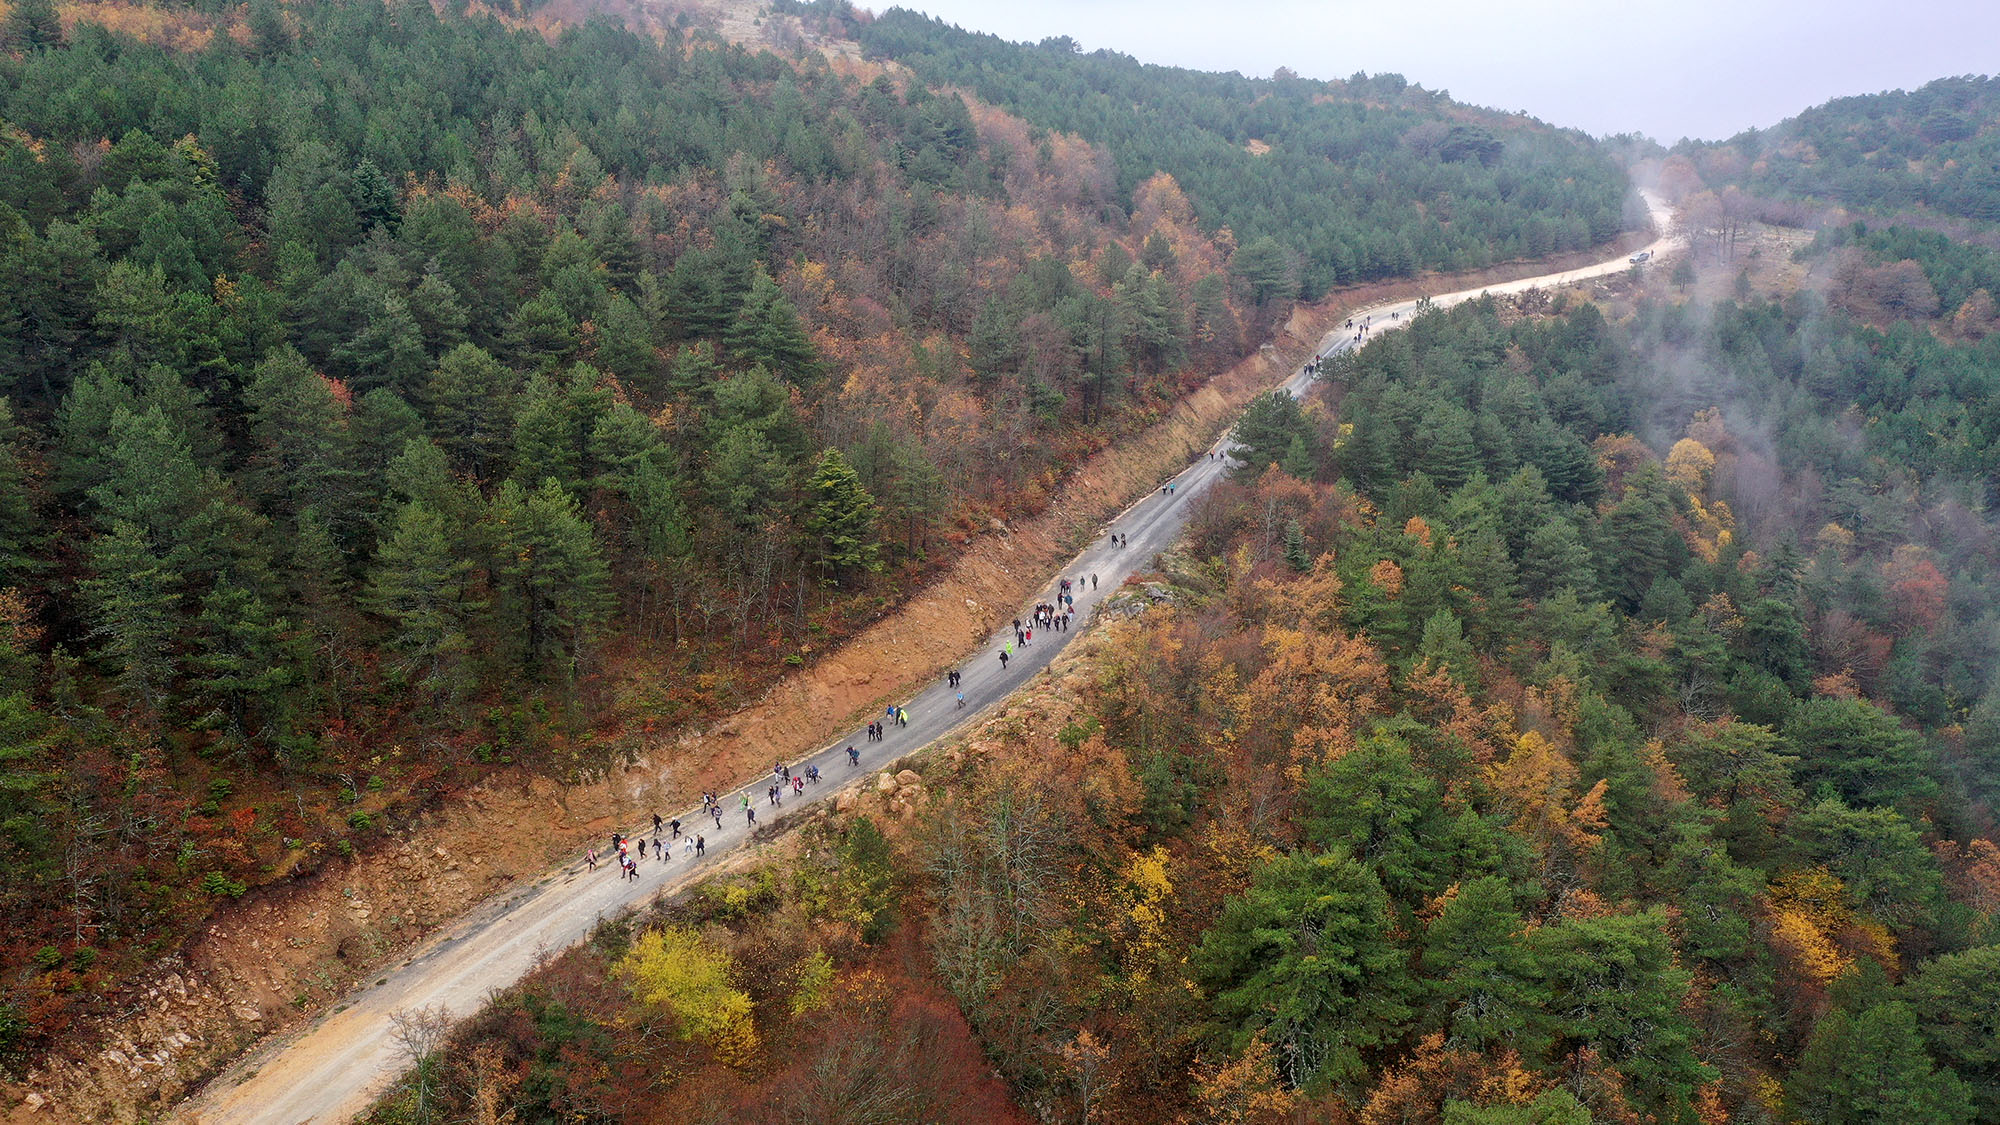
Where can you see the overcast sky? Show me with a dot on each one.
(1699, 68)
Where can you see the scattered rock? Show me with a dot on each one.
(907, 812)
(845, 802)
(885, 784)
(909, 777)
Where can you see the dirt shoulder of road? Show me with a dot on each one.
(265, 966)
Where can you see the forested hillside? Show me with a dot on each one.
(1335, 181)
(391, 397)
(1933, 150)
(1566, 718)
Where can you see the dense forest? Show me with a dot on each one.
(1324, 172)
(391, 396)
(1564, 718)
(1933, 150)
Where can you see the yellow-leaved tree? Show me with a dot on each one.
(677, 970)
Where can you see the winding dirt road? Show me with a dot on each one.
(335, 1067)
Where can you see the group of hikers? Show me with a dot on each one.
(1054, 614)
(782, 778)
(628, 851)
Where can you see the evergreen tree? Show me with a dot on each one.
(1266, 271)
(419, 585)
(767, 333)
(625, 344)
(1956, 999)
(540, 333)
(439, 314)
(694, 372)
(472, 400)
(1644, 542)
(1444, 647)
(545, 439)
(1862, 753)
(552, 576)
(1296, 555)
(1303, 959)
(1266, 434)
(1449, 454)
(1870, 1067)
(18, 529)
(239, 669)
(1611, 985)
(300, 426)
(994, 347)
(1481, 987)
(132, 596)
(32, 25)
(840, 518)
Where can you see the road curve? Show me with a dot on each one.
(335, 1067)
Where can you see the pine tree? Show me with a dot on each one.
(419, 585)
(540, 333)
(472, 401)
(439, 314)
(1956, 998)
(1869, 1067)
(239, 668)
(18, 530)
(1296, 555)
(1643, 538)
(551, 573)
(132, 598)
(694, 372)
(1481, 987)
(1444, 647)
(767, 332)
(300, 427)
(1448, 454)
(545, 445)
(32, 25)
(1304, 960)
(841, 519)
(625, 344)
(994, 347)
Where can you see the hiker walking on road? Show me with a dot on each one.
(961, 701)
(675, 824)
(1093, 580)
(717, 810)
(752, 815)
(700, 846)
(853, 757)
(590, 856)
(1003, 660)
(656, 824)
(659, 851)
(688, 847)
